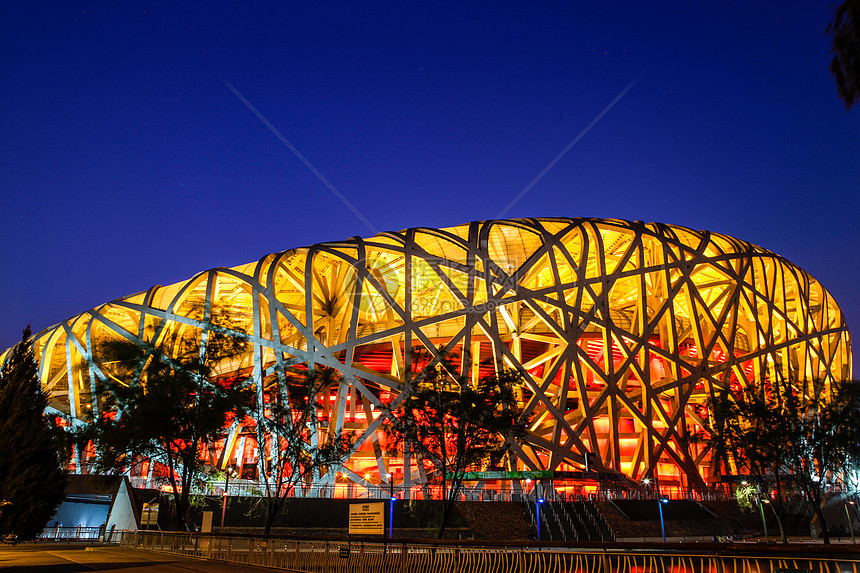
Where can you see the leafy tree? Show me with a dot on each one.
(167, 404)
(298, 452)
(32, 483)
(823, 450)
(744, 422)
(455, 426)
(845, 65)
(795, 432)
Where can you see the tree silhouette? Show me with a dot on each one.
(298, 452)
(795, 432)
(845, 65)
(32, 482)
(744, 423)
(167, 405)
(455, 426)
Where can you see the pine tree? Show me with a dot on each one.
(32, 482)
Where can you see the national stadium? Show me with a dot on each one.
(621, 331)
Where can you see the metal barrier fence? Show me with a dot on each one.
(250, 488)
(69, 534)
(365, 557)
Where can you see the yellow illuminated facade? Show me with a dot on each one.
(621, 331)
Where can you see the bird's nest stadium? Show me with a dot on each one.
(620, 330)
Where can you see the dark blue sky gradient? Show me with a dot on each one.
(127, 161)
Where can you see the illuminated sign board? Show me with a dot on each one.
(367, 518)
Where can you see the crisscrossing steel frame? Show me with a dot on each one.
(620, 329)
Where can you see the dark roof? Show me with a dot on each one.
(92, 485)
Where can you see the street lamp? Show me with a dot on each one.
(763, 520)
(850, 527)
(660, 502)
(646, 482)
(391, 518)
(537, 509)
(761, 501)
(392, 499)
(229, 470)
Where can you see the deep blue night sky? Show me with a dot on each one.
(128, 162)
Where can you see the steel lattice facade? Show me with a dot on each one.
(621, 331)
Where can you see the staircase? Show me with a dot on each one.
(560, 525)
(590, 523)
(570, 521)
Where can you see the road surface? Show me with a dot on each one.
(71, 559)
